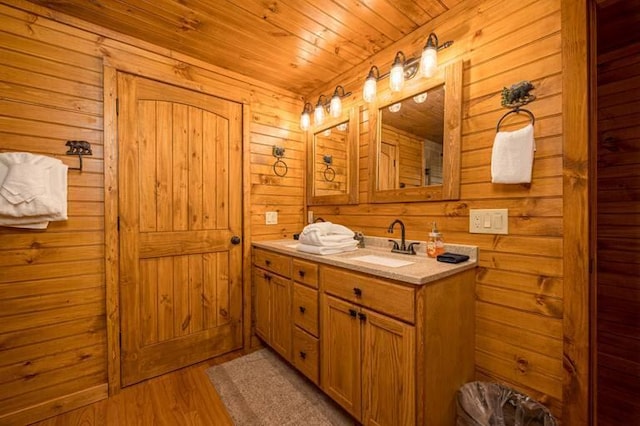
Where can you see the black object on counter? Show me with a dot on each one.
(452, 257)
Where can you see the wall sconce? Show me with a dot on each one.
(405, 69)
(333, 106)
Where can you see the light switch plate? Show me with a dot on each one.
(489, 221)
(310, 216)
(271, 218)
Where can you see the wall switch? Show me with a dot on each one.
(489, 221)
(271, 218)
(309, 216)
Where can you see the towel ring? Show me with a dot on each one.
(516, 111)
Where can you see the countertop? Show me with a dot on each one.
(422, 270)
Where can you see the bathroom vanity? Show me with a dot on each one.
(389, 337)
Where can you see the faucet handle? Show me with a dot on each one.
(411, 249)
(395, 245)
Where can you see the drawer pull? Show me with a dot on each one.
(267, 262)
(302, 309)
(357, 292)
(362, 316)
(303, 355)
(267, 277)
(352, 312)
(301, 273)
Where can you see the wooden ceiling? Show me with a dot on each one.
(297, 45)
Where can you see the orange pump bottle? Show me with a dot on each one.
(435, 243)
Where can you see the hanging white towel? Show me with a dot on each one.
(33, 190)
(512, 156)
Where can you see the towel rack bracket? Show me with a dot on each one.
(517, 95)
(78, 148)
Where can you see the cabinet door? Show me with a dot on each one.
(388, 371)
(281, 323)
(261, 302)
(341, 353)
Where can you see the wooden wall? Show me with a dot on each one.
(410, 154)
(519, 283)
(52, 283)
(618, 234)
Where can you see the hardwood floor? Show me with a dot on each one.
(183, 397)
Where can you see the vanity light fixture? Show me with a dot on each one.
(405, 69)
(305, 117)
(318, 114)
(335, 108)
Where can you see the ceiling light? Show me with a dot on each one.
(420, 98)
(342, 127)
(395, 107)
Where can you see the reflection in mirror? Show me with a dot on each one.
(330, 160)
(414, 152)
(411, 138)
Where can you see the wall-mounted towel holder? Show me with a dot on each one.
(279, 167)
(514, 98)
(78, 148)
(329, 173)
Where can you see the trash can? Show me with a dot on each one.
(493, 404)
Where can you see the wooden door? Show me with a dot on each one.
(387, 163)
(262, 302)
(179, 206)
(281, 322)
(340, 366)
(388, 371)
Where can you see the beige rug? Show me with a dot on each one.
(260, 389)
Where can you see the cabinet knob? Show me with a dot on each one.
(267, 277)
(303, 355)
(357, 291)
(352, 312)
(267, 262)
(302, 309)
(301, 273)
(362, 316)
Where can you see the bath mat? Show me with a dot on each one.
(260, 389)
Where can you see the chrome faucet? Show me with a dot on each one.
(402, 248)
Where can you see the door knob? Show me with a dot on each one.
(235, 240)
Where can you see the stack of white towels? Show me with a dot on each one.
(326, 238)
(33, 190)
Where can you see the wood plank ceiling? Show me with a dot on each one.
(294, 44)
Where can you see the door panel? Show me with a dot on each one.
(180, 277)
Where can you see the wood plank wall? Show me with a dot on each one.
(519, 283)
(618, 240)
(52, 283)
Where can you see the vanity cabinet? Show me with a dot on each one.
(368, 357)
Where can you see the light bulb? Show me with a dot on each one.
(396, 77)
(429, 61)
(420, 98)
(318, 115)
(305, 121)
(369, 90)
(336, 106)
(395, 107)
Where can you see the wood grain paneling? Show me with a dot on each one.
(53, 284)
(519, 284)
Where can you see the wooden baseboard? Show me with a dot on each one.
(56, 406)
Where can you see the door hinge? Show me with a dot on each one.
(117, 106)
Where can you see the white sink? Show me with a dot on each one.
(382, 261)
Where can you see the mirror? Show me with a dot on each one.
(332, 166)
(415, 147)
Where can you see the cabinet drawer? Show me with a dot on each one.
(276, 263)
(305, 354)
(305, 308)
(382, 296)
(305, 272)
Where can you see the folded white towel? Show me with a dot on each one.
(326, 234)
(512, 156)
(326, 250)
(50, 204)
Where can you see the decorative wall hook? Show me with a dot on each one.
(78, 148)
(517, 95)
(329, 173)
(279, 167)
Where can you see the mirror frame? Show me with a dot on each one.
(451, 75)
(351, 196)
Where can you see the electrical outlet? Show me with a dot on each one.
(271, 218)
(489, 221)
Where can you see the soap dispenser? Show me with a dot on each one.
(435, 243)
